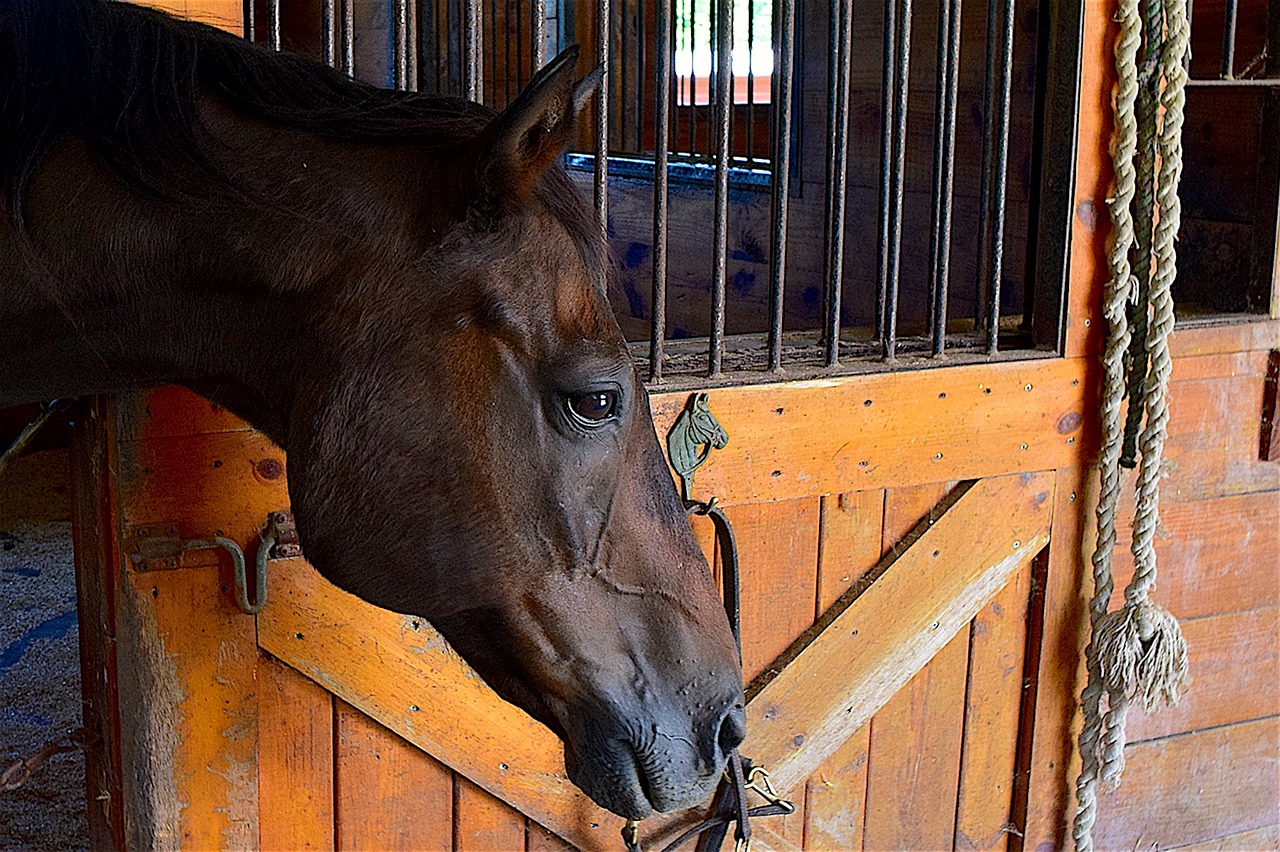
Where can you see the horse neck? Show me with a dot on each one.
(116, 290)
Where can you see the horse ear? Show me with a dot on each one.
(533, 131)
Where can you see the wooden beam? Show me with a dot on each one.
(890, 430)
(897, 625)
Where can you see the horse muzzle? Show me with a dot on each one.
(659, 763)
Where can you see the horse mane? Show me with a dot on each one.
(127, 79)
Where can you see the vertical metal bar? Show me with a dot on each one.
(415, 45)
(944, 167)
(642, 45)
(693, 77)
(348, 37)
(506, 48)
(1231, 12)
(837, 170)
(604, 14)
(892, 253)
(250, 20)
(724, 112)
(781, 178)
(887, 84)
(661, 128)
(983, 319)
(539, 34)
(400, 44)
(273, 22)
(994, 257)
(520, 44)
(624, 75)
(751, 80)
(472, 78)
(489, 58)
(327, 43)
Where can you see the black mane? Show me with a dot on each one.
(126, 80)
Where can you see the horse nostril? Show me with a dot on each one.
(733, 728)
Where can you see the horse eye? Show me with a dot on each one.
(594, 407)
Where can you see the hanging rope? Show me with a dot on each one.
(1136, 652)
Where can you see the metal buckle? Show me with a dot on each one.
(759, 782)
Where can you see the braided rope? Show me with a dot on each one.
(1137, 651)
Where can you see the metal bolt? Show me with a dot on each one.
(1017, 544)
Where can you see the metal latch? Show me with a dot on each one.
(158, 547)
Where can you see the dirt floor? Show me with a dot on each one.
(39, 654)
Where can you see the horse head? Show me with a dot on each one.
(481, 453)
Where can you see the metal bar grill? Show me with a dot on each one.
(850, 289)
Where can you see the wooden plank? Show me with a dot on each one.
(915, 756)
(1243, 336)
(835, 795)
(207, 484)
(915, 739)
(1214, 433)
(170, 412)
(1234, 661)
(538, 839)
(889, 430)
(1194, 787)
(1093, 177)
(1053, 765)
(227, 14)
(778, 552)
(482, 823)
(389, 794)
(910, 613)
(188, 712)
(993, 704)
(778, 556)
(1246, 841)
(1214, 556)
(295, 760)
(396, 669)
(97, 559)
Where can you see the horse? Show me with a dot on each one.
(408, 296)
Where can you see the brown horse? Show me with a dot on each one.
(407, 295)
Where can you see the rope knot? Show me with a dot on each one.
(1142, 654)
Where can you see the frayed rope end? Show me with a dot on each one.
(1142, 654)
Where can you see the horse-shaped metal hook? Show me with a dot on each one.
(693, 436)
